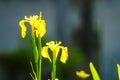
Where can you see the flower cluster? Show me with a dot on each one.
(38, 30)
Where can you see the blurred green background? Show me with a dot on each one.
(90, 29)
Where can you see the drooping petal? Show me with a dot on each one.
(82, 74)
(118, 69)
(94, 72)
(64, 54)
(45, 53)
(23, 28)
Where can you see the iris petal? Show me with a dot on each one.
(23, 27)
(82, 74)
(45, 53)
(64, 54)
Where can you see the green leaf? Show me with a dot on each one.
(94, 72)
(35, 76)
(118, 68)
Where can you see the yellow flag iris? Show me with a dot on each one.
(55, 48)
(37, 24)
(82, 74)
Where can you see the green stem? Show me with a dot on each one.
(53, 75)
(36, 69)
(40, 57)
(35, 53)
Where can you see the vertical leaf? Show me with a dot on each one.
(118, 68)
(94, 72)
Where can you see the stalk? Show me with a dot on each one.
(40, 57)
(53, 75)
(35, 53)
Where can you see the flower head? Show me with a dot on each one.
(82, 74)
(55, 48)
(37, 24)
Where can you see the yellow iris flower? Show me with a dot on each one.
(55, 48)
(82, 74)
(37, 24)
